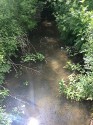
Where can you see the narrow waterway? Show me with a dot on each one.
(39, 102)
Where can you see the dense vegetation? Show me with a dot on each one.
(17, 17)
(75, 23)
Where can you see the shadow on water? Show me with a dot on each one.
(39, 102)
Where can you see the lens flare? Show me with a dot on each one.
(33, 121)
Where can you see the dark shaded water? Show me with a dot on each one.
(39, 101)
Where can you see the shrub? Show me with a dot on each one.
(79, 88)
(16, 18)
(75, 23)
(72, 19)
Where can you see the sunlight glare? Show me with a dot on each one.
(33, 121)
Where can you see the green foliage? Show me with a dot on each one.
(73, 19)
(75, 23)
(62, 86)
(72, 66)
(4, 120)
(4, 68)
(26, 83)
(3, 94)
(40, 57)
(26, 12)
(16, 18)
(79, 88)
(33, 57)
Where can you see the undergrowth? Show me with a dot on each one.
(75, 22)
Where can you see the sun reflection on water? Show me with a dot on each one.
(33, 121)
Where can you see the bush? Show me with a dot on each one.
(79, 88)
(72, 19)
(16, 18)
(75, 23)
(26, 11)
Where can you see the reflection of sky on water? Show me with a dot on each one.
(17, 120)
(33, 121)
(20, 118)
(39, 100)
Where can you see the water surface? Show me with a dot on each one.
(39, 101)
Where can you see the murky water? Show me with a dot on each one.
(39, 101)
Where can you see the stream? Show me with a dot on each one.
(39, 102)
